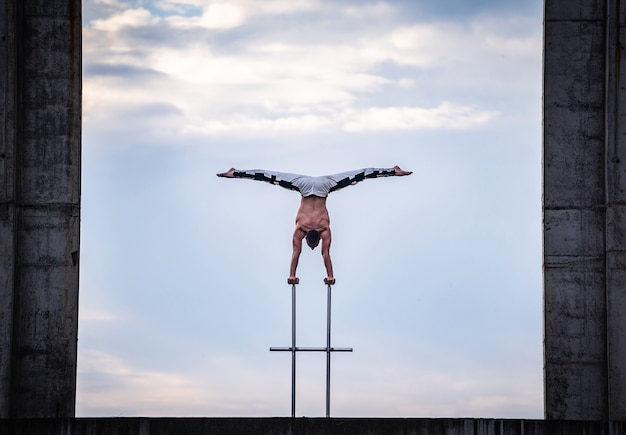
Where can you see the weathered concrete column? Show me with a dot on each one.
(616, 208)
(40, 143)
(584, 210)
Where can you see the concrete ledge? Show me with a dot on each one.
(305, 426)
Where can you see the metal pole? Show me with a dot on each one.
(328, 350)
(293, 350)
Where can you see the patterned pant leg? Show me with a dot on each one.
(281, 179)
(349, 178)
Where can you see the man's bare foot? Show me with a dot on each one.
(293, 280)
(228, 174)
(401, 172)
(330, 280)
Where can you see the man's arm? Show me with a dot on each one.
(298, 235)
(326, 239)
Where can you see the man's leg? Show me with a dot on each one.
(349, 178)
(282, 179)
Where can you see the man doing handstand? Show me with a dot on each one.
(312, 220)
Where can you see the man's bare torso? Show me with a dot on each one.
(312, 214)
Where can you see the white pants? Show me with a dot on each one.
(314, 186)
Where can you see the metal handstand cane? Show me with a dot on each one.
(293, 349)
(328, 350)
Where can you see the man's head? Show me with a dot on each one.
(312, 238)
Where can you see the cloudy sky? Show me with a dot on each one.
(183, 277)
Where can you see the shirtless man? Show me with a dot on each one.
(312, 220)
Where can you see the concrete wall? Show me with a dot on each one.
(616, 208)
(7, 208)
(574, 210)
(584, 213)
(308, 426)
(40, 133)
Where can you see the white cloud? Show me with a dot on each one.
(280, 6)
(217, 15)
(406, 83)
(109, 385)
(230, 385)
(207, 89)
(112, 3)
(175, 4)
(127, 19)
(315, 86)
(243, 125)
(233, 13)
(96, 315)
(370, 11)
(218, 385)
(445, 116)
(394, 390)
(508, 36)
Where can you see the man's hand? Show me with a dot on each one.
(330, 280)
(293, 280)
(228, 174)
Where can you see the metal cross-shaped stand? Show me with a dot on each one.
(293, 349)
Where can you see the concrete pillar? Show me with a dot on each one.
(616, 208)
(40, 143)
(584, 210)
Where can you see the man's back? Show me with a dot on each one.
(312, 214)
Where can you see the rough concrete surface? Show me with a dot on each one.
(305, 426)
(583, 209)
(40, 144)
